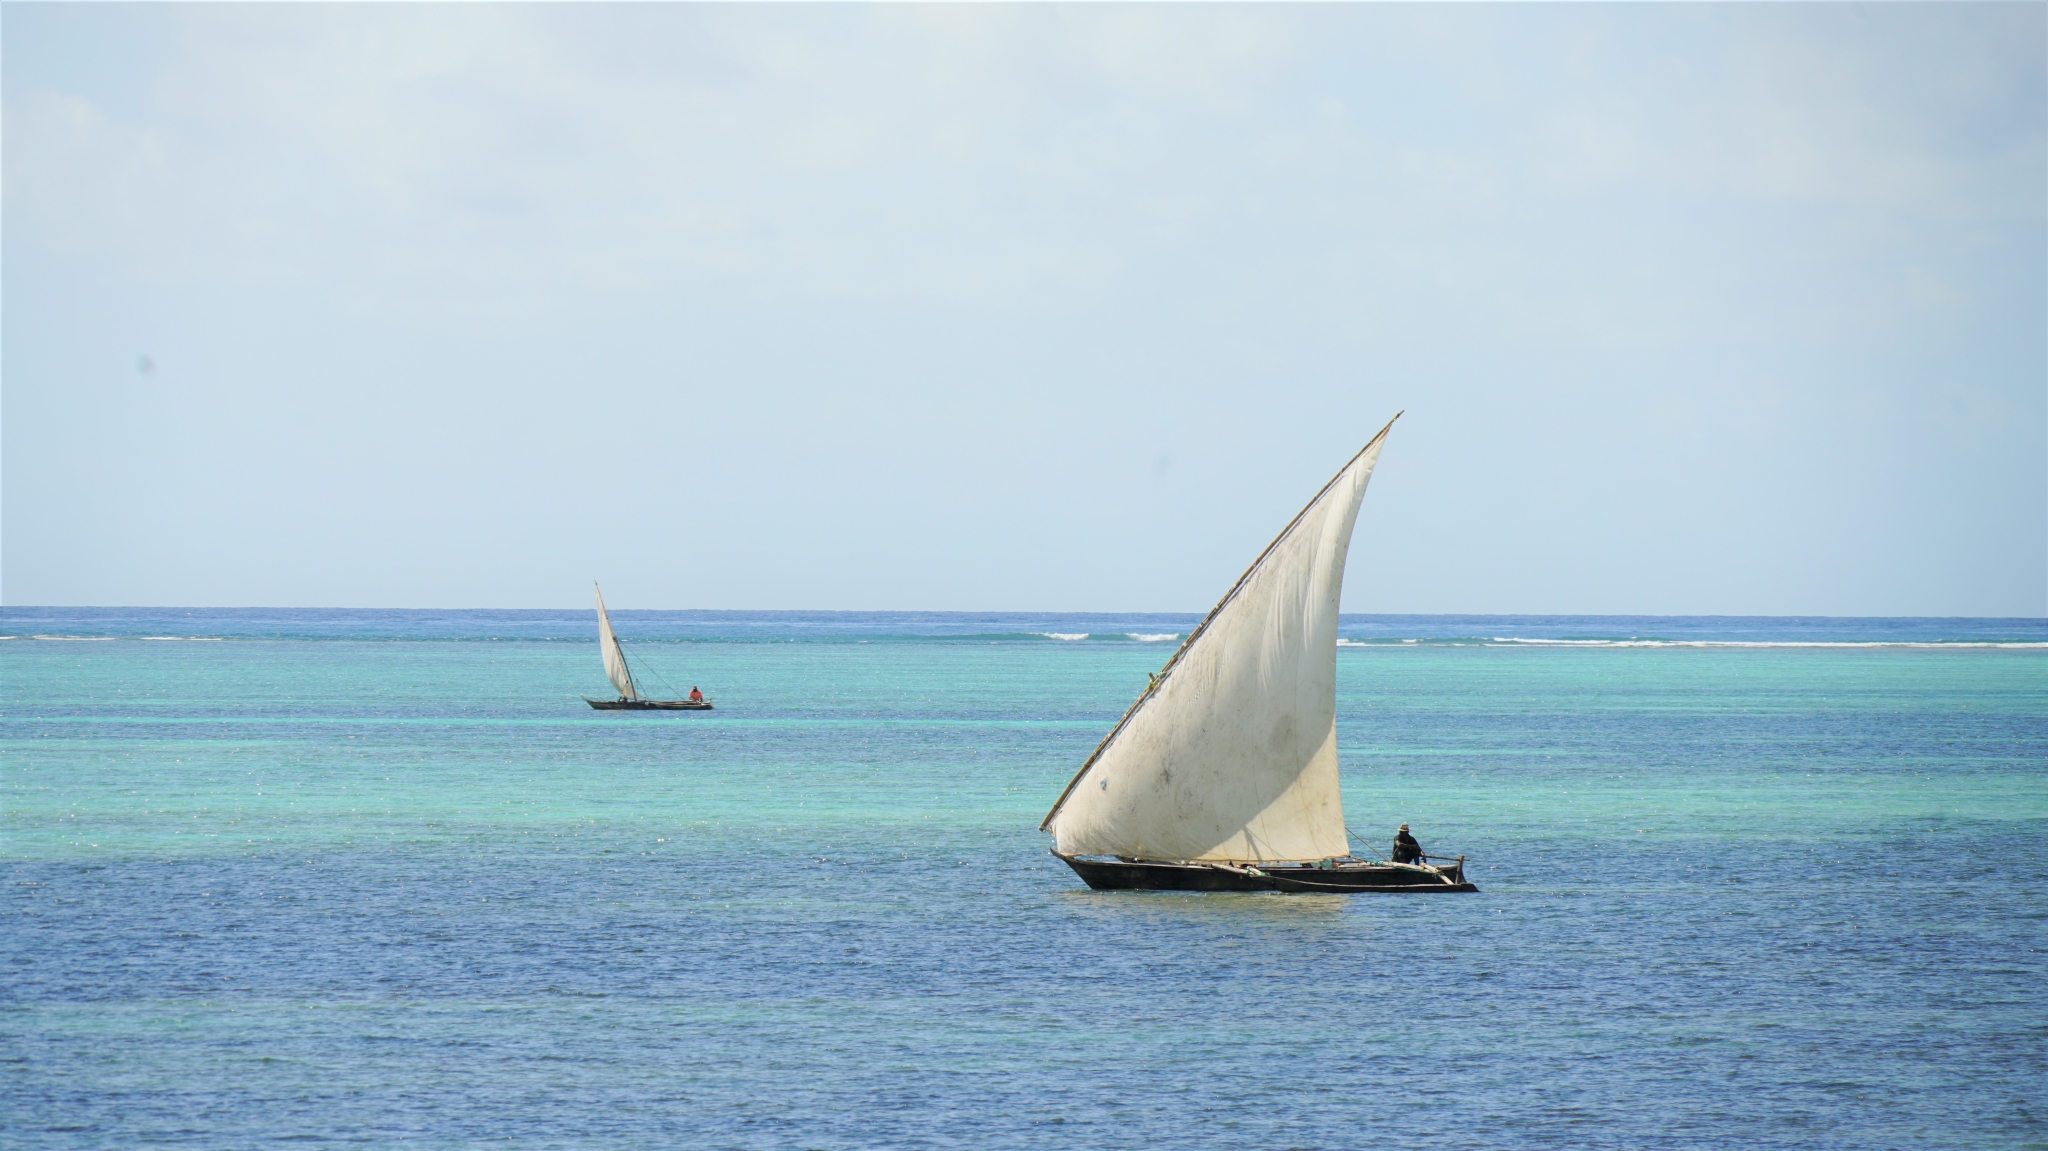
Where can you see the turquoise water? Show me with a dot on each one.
(319, 881)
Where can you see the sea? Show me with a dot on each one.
(381, 877)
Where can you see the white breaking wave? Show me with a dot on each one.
(117, 638)
(1585, 642)
(1505, 641)
(1342, 642)
(1065, 635)
(1162, 638)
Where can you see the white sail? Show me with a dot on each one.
(1231, 753)
(615, 668)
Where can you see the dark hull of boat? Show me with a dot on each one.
(648, 704)
(1345, 879)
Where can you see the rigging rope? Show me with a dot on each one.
(1366, 843)
(673, 693)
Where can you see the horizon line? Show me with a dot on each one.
(999, 611)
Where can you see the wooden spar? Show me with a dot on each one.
(1152, 687)
(632, 689)
(605, 631)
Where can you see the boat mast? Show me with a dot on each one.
(632, 687)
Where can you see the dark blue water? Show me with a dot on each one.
(355, 883)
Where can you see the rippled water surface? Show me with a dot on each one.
(321, 881)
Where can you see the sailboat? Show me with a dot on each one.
(1223, 775)
(620, 673)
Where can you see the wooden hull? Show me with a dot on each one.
(1345, 879)
(648, 704)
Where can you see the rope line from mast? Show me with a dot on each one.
(649, 669)
(1367, 844)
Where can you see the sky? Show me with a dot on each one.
(1692, 309)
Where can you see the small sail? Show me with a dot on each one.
(615, 668)
(1231, 753)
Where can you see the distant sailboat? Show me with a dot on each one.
(620, 673)
(1223, 775)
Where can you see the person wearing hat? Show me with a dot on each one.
(1406, 850)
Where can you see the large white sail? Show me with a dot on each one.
(615, 668)
(1231, 753)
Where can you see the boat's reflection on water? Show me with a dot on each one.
(1210, 908)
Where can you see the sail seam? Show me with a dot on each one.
(1152, 688)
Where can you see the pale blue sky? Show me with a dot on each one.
(1693, 309)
